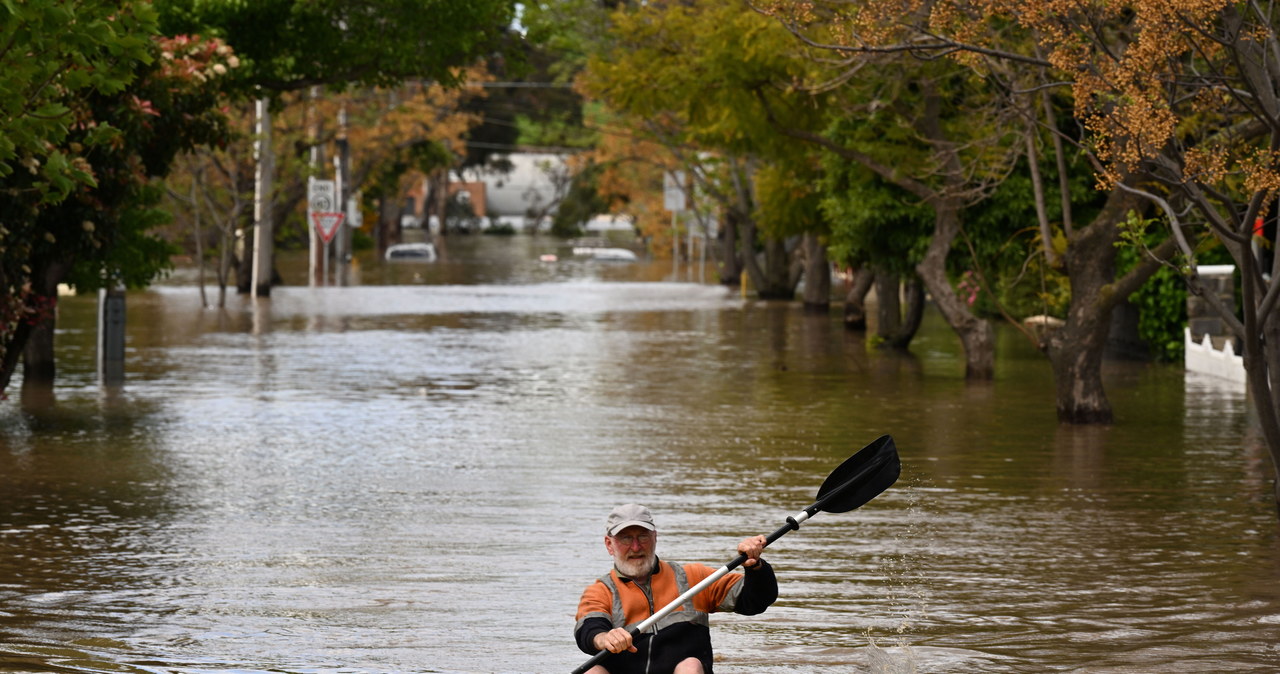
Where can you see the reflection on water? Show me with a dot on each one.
(413, 477)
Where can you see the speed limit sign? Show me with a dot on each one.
(322, 196)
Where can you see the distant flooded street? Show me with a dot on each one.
(412, 475)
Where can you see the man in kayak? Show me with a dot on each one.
(640, 585)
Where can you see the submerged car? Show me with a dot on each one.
(412, 252)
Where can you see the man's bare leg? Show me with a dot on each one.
(689, 666)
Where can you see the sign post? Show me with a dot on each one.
(673, 199)
(111, 320)
(327, 225)
(322, 198)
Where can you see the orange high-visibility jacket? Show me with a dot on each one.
(626, 603)
(615, 601)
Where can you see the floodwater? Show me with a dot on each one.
(412, 476)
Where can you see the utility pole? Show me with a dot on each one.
(263, 232)
(342, 167)
(316, 160)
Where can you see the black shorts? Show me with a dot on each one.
(660, 653)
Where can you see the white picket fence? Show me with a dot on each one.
(1206, 359)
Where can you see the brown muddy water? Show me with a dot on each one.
(412, 476)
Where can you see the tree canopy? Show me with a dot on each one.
(53, 52)
(287, 45)
(96, 231)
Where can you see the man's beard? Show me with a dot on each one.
(634, 568)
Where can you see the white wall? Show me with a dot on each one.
(528, 184)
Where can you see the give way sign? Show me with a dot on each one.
(327, 224)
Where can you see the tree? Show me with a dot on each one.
(52, 53)
(397, 136)
(929, 129)
(881, 230)
(1178, 108)
(702, 80)
(789, 199)
(1008, 73)
(99, 234)
(293, 45)
(1185, 94)
(208, 185)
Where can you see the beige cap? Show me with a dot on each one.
(630, 515)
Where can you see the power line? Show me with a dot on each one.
(525, 148)
(525, 85)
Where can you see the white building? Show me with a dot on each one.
(534, 187)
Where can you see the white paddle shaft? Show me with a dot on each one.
(693, 591)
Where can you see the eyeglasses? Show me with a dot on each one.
(628, 540)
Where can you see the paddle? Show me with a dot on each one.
(859, 479)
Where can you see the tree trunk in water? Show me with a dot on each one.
(817, 275)
(1261, 350)
(777, 272)
(1268, 375)
(1077, 372)
(895, 329)
(910, 323)
(772, 281)
(1076, 349)
(243, 264)
(975, 334)
(888, 306)
(389, 232)
(38, 366)
(855, 307)
(750, 262)
(224, 265)
(730, 261)
(13, 354)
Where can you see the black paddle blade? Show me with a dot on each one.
(860, 478)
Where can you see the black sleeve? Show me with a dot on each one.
(759, 589)
(588, 630)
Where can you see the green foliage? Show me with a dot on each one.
(100, 231)
(96, 232)
(787, 199)
(360, 240)
(424, 156)
(872, 222)
(582, 202)
(1004, 233)
(52, 52)
(555, 128)
(570, 29)
(1162, 300)
(1029, 286)
(1162, 314)
(546, 113)
(707, 85)
(893, 118)
(710, 72)
(287, 45)
(135, 256)
(1135, 232)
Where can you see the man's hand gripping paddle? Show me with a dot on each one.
(859, 479)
